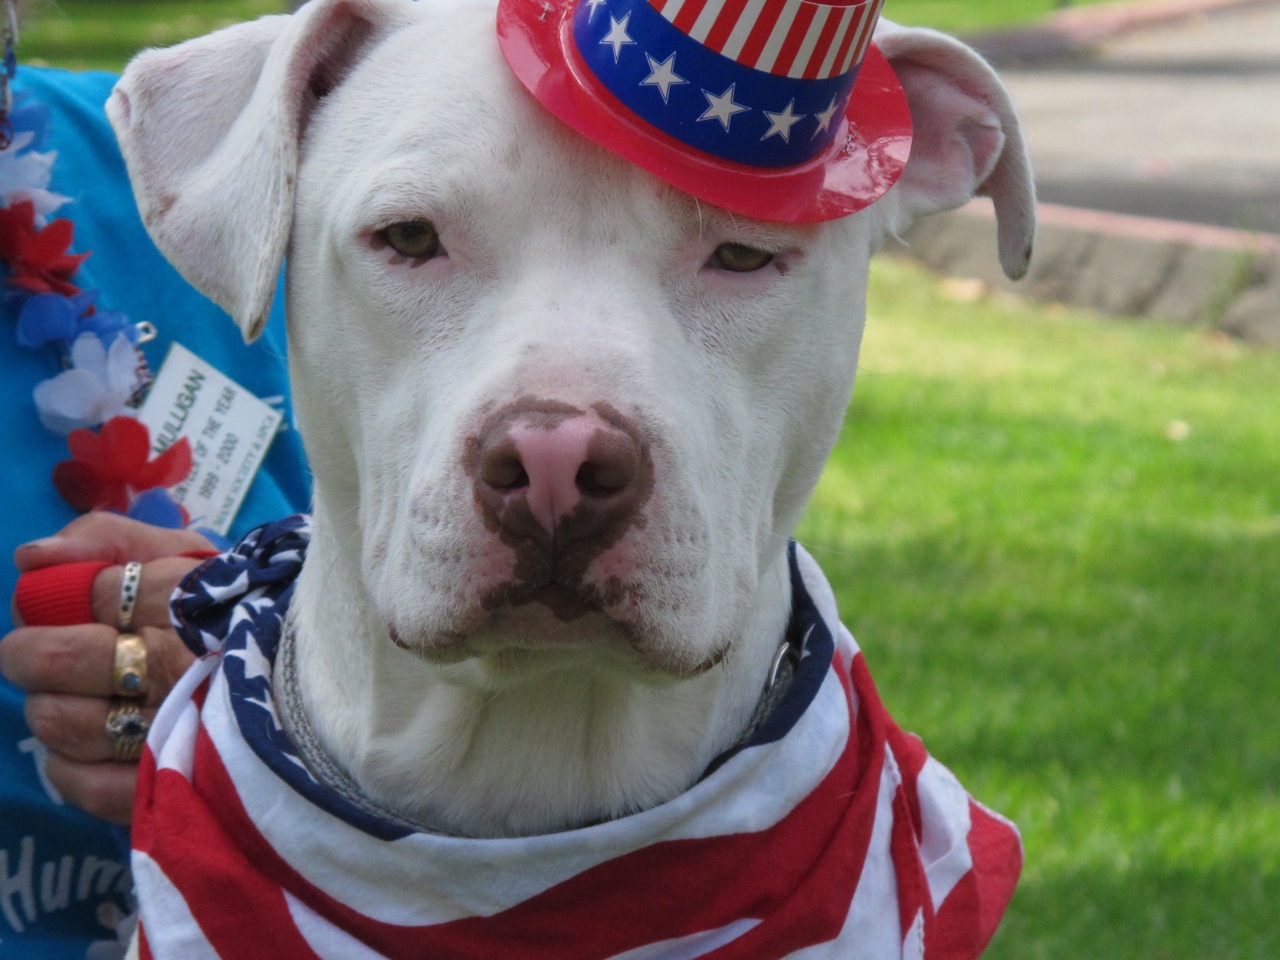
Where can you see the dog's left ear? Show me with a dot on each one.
(967, 139)
(210, 131)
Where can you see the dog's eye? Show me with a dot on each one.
(415, 239)
(740, 258)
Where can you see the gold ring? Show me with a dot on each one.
(129, 674)
(127, 728)
(129, 593)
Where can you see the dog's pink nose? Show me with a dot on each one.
(555, 464)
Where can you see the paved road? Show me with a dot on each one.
(1180, 121)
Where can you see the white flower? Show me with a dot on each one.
(94, 390)
(26, 176)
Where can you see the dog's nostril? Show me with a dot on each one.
(598, 481)
(504, 471)
(611, 465)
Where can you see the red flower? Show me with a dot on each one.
(110, 467)
(38, 258)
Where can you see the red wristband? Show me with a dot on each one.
(58, 596)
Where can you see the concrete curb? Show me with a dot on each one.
(1182, 273)
(1077, 30)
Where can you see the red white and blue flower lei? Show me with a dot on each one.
(93, 400)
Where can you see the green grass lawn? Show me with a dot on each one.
(1058, 541)
(104, 34)
(973, 16)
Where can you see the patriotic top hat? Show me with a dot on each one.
(780, 110)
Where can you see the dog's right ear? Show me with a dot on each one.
(210, 131)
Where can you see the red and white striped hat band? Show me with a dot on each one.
(777, 109)
(789, 38)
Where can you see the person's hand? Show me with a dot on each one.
(70, 671)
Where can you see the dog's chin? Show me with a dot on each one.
(554, 628)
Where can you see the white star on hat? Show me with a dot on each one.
(780, 124)
(825, 117)
(617, 36)
(662, 75)
(722, 107)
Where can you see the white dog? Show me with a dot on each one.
(562, 419)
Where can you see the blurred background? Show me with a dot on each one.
(1053, 520)
(104, 34)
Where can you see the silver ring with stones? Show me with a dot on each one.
(129, 593)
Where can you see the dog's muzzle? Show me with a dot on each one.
(558, 485)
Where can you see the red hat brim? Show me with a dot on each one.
(864, 161)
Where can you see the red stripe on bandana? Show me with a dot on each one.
(240, 911)
(968, 918)
(909, 751)
(914, 904)
(665, 891)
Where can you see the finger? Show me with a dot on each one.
(74, 727)
(99, 535)
(156, 586)
(104, 790)
(80, 660)
(75, 660)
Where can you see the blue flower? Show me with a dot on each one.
(108, 324)
(31, 116)
(54, 318)
(49, 318)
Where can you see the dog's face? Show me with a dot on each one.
(586, 408)
(562, 418)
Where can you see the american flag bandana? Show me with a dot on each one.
(829, 834)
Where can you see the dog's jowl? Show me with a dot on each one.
(575, 295)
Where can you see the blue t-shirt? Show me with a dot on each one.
(62, 879)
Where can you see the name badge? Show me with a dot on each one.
(229, 430)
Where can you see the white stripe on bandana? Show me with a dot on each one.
(855, 842)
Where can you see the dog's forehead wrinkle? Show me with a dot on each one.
(464, 147)
(420, 98)
(407, 188)
(596, 213)
(708, 222)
